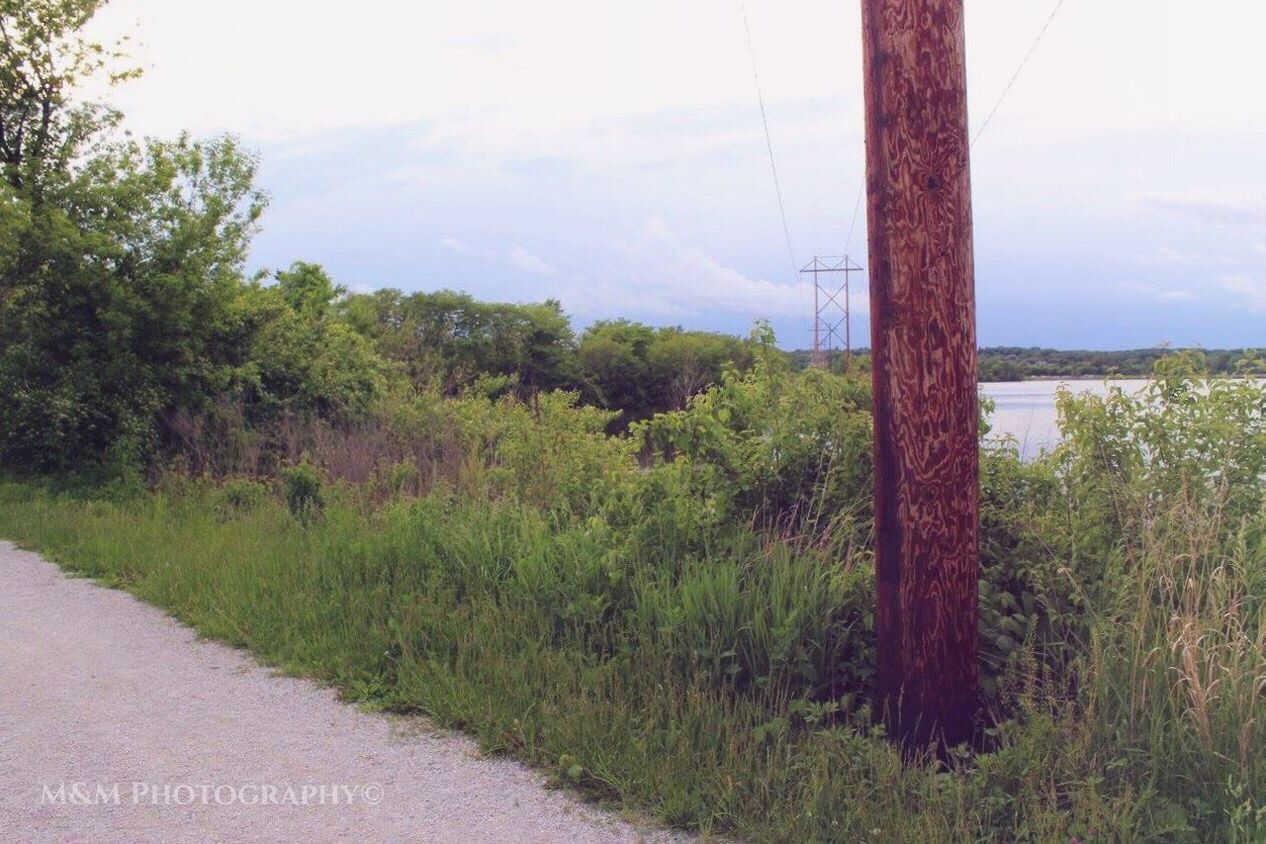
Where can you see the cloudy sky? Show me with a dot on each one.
(611, 155)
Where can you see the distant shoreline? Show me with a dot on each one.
(1099, 379)
(1012, 363)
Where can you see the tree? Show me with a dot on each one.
(308, 290)
(301, 358)
(449, 339)
(43, 61)
(642, 371)
(130, 314)
(125, 305)
(615, 370)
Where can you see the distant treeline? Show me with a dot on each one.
(132, 334)
(1017, 363)
(1013, 363)
(450, 341)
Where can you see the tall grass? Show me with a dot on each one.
(722, 693)
(1180, 680)
(693, 638)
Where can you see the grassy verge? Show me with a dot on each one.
(674, 691)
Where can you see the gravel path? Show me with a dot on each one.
(171, 738)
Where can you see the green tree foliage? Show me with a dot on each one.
(1014, 363)
(615, 363)
(44, 129)
(642, 371)
(123, 300)
(793, 449)
(1007, 363)
(994, 368)
(127, 314)
(43, 61)
(118, 256)
(450, 340)
(299, 358)
(308, 290)
(129, 329)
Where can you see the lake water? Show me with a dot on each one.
(1026, 409)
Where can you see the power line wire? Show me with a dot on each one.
(1019, 70)
(857, 207)
(1015, 77)
(769, 143)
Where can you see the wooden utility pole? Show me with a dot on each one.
(923, 340)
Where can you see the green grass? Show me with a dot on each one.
(722, 692)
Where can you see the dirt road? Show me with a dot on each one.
(118, 724)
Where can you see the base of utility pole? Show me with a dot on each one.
(923, 345)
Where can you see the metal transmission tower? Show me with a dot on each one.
(831, 309)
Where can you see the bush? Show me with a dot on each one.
(304, 492)
(694, 635)
(239, 497)
(792, 452)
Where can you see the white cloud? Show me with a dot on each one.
(657, 274)
(462, 248)
(1252, 291)
(605, 299)
(564, 123)
(530, 263)
(556, 63)
(1164, 294)
(1225, 209)
(664, 267)
(1169, 255)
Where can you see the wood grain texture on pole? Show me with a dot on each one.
(923, 340)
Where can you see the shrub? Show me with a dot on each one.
(304, 492)
(239, 497)
(551, 453)
(789, 451)
(695, 636)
